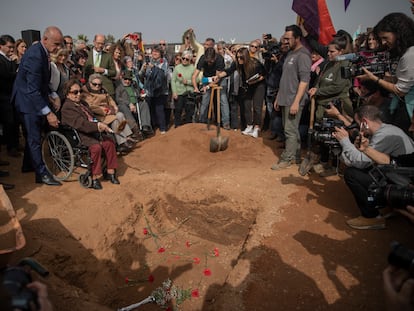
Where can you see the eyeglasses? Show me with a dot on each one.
(96, 84)
(184, 58)
(69, 43)
(254, 46)
(75, 92)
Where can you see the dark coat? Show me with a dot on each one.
(75, 117)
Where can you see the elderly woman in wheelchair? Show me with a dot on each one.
(106, 110)
(97, 136)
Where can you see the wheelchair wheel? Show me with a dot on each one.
(58, 155)
(85, 180)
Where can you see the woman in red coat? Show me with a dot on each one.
(93, 134)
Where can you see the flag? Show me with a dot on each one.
(347, 2)
(316, 17)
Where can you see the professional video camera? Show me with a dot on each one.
(14, 281)
(401, 257)
(376, 62)
(391, 186)
(271, 49)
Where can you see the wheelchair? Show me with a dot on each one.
(64, 155)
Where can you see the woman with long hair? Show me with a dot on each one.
(253, 86)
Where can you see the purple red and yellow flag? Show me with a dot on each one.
(316, 18)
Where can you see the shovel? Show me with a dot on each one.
(310, 158)
(218, 143)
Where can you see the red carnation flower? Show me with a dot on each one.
(207, 272)
(195, 293)
(196, 260)
(161, 61)
(82, 80)
(161, 250)
(216, 252)
(180, 75)
(126, 280)
(188, 243)
(151, 278)
(145, 231)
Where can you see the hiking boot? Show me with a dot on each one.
(281, 165)
(364, 223)
(248, 130)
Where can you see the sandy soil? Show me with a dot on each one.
(222, 225)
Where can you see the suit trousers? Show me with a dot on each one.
(34, 125)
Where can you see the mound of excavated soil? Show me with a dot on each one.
(241, 236)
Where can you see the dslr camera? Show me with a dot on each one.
(377, 62)
(323, 132)
(14, 280)
(391, 186)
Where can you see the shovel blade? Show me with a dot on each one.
(219, 144)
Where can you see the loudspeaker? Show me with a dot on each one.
(29, 36)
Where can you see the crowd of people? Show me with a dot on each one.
(119, 93)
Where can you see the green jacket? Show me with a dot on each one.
(106, 62)
(330, 86)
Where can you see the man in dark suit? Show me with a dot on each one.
(8, 69)
(101, 62)
(31, 98)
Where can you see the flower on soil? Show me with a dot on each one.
(145, 231)
(207, 272)
(126, 280)
(151, 278)
(216, 252)
(161, 250)
(188, 243)
(196, 260)
(195, 293)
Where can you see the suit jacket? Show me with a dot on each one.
(106, 62)
(31, 87)
(7, 76)
(75, 117)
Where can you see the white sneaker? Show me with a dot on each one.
(248, 130)
(255, 132)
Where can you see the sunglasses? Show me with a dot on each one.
(96, 84)
(162, 44)
(184, 58)
(127, 79)
(76, 92)
(254, 46)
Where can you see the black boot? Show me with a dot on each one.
(96, 184)
(112, 178)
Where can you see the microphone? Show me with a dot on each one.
(350, 56)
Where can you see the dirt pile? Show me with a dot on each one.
(223, 226)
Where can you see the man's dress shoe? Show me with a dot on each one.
(47, 180)
(96, 184)
(112, 178)
(7, 186)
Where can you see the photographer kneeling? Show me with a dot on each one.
(384, 138)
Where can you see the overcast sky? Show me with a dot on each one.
(243, 20)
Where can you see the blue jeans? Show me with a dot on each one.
(224, 106)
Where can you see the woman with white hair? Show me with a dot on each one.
(181, 86)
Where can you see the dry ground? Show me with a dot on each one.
(271, 240)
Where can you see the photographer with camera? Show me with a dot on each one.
(405, 160)
(384, 138)
(331, 87)
(396, 32)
